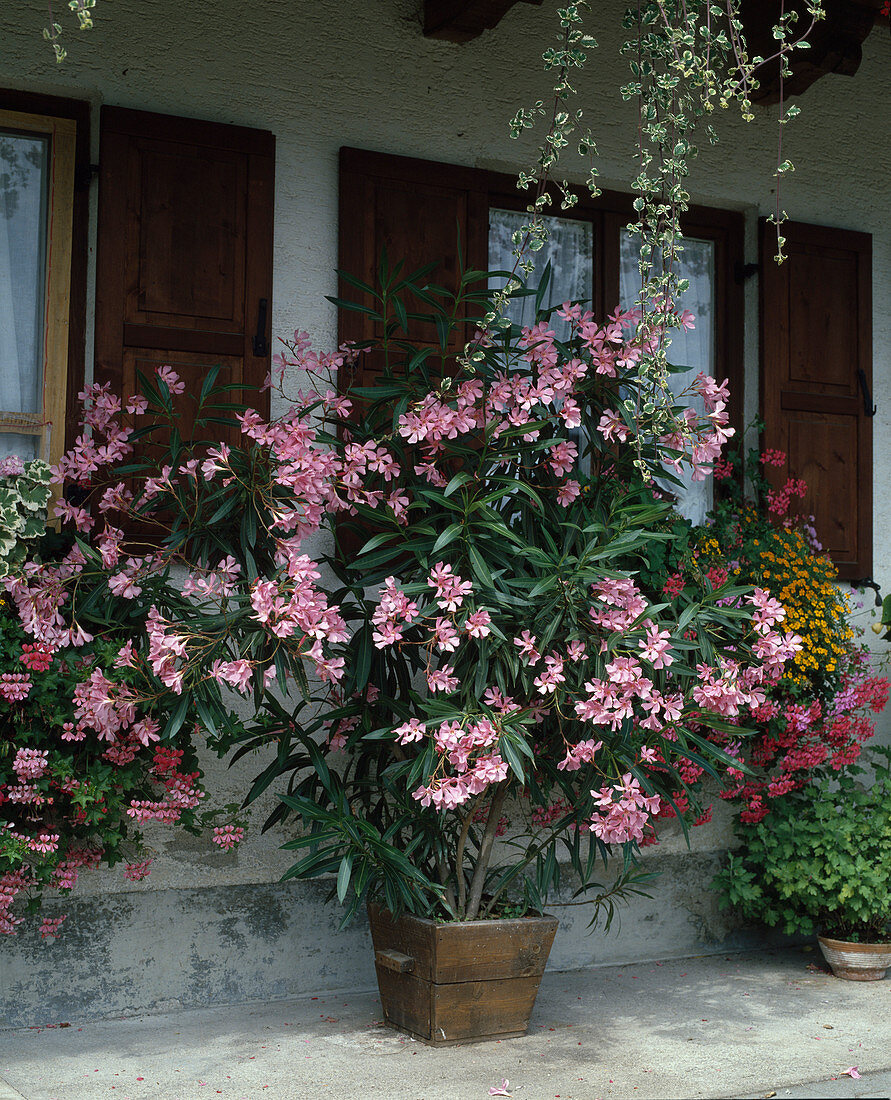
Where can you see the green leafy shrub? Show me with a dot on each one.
(822, 860)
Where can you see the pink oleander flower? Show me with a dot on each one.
(612, 426)
(236, 673)
(477, 624)
(526, 644)
(412, 730)
(450, 589)
(445, 636)
(562, 457)
(655, 648)
(169, 376)
(547, 681)
(79, 517)
(568, 492)
(576, 755)
(442, 679)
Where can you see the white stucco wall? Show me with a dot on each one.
(329, 73)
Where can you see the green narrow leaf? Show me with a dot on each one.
(176, 719)
(512, 757)
(344, 875)
(448, 536)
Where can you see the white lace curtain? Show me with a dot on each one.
(694, 349)
(570, 250)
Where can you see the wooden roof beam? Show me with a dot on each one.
(835, 43)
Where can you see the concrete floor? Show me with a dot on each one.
(751, 1025)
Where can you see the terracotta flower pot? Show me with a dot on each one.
(461, 981)
(858, 962)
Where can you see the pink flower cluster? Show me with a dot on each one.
(49, 926)
(36, 656)
(182, 793)
(624, 811)
(700, 442)
(30, 763)
(779, 500)
(15, 686)
(135, 872)
(103, 442)
(227, 836)
(469, 750)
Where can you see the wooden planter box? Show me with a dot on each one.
(450, 983)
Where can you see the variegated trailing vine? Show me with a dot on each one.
(688, 59)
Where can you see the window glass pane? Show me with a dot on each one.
(694, 349)
(23, 217)
(25, 446)
(570, 250)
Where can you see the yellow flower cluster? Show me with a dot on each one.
(781, 561)
(804, 583)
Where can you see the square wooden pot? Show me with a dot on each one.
(454, 982)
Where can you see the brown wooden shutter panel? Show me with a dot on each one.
(418, 211)
(816, 339)
(185, 250)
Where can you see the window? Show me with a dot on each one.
(37, 166)
(569, 249)
(419, 210)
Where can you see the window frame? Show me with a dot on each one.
(363, 171)
(610, 213)
(67, 122)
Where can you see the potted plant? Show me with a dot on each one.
(488, 653)
(821, 862)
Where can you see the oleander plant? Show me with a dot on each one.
(427, 591)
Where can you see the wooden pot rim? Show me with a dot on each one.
(519, 922)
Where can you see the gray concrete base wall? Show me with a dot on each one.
(147, 952)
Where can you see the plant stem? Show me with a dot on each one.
(531, 854)
(449, 896)
(485, 852)
(459, 858)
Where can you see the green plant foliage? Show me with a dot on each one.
(24, 496)
(821, 861)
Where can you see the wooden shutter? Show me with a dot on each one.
(816, 368)
(419, 211)
(184, 263)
